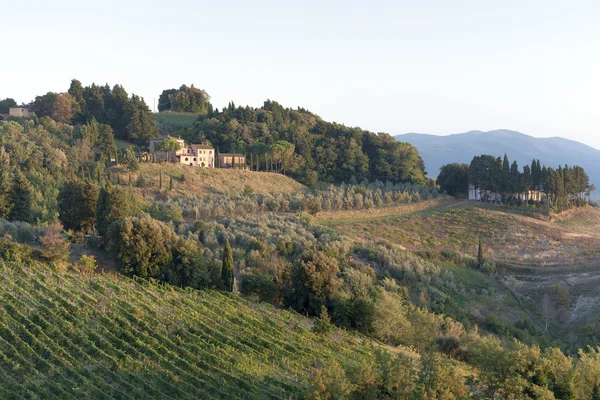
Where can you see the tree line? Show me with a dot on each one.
(128, 116)
(299, 142)
(563, 187)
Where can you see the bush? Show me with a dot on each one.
(87, 263)
(55, 247)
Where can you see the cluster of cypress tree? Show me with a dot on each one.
(564, 187)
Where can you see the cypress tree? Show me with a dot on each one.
(170, 183)
(160, 178)
(227, 272)
(480, 259)
(505, 184)
(596, 392)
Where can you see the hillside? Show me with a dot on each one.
(509, 236)
(71, 335)
(462, 147)
(190, 180)
(172, 121)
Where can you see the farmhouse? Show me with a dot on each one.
(24, 110)
(196, 155)
(229, 160)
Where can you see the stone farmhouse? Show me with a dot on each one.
(196, 155)
(24, 110)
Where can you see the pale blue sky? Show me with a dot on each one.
(386, 66)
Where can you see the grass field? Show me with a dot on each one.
(198, 180)
(104, 336)
(175, 120)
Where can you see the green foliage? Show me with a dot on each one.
(185, 99)
(454, 179)
(480, 257)
(227, 271)
(114, 204)
(21, 198)
(77, 205)
(311, 150)
(5, 104)
(323, 322)
(87, 263)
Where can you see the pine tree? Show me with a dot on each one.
(323, 323)
(480, 259)
(227, 271)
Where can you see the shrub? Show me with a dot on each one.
(55, 247)
(87, 263)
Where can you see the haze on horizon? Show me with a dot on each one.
(387, 66)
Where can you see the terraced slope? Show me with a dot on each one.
(70, 335)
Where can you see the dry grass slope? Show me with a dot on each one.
(507, 237)
(187, 180)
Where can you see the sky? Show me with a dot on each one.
(427, 66)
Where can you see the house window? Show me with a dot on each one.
(186, 159)
(194, 158)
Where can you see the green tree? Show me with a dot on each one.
(106, 142)
(596, 392)
(480, 258)
(114, 203)
(77, 205)
(505, 184)
(167, 146)
(5, 184)
(454, 179)
(6, 104)
(227, 271)
(323, 322)
(143, 246)
(21, 198)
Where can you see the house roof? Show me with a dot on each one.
(201, 147)
(22, 106)
(231, 154)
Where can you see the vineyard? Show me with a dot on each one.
(72, 336)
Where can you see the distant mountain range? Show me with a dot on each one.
(462, 147)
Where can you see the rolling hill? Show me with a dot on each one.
(462, 147)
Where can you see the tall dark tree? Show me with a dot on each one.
(5, 184)
(76, 91)
(114, 203)
(505, 184)
(227, 271)
(77, 205)
(21, 198)
(106, 142)
(480, 258)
